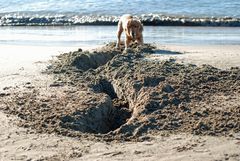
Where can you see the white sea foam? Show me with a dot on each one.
(96, 12)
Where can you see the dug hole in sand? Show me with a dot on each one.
(113, 96)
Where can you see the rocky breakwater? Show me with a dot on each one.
(120, 95)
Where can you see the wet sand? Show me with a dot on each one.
(23, 143)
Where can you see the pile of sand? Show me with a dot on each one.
(115, 94)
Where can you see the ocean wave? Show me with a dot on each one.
(146, 19)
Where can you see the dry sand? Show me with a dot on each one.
(21, 144)
(220, 56)
(21, 64)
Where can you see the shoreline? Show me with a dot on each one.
(89, 36)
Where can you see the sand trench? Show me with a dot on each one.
(110, 95)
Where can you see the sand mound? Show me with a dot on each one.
(83, 60)
(122, 95)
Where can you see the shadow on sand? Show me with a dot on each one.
(166, 52)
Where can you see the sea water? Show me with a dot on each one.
(78, 36)
(88, 36)
(198, 8)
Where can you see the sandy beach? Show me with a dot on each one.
(24, 71)
(21, 64)
(71, 89)
(219, 56)
(19, 144)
